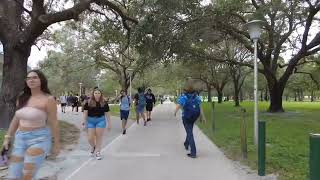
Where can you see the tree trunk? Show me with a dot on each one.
(301, 95)
(209, 93)
(276, 92)
(295, 96)
(266, 98)
(241, 95)
(261, 95)
(236, 93)
(124, 83)
(220, 96)
(312, 96)
(14, 73)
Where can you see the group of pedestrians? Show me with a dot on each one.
(35, 128)
(74, 101)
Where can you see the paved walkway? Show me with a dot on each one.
(154, 152)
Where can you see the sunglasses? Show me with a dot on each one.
(32, 78)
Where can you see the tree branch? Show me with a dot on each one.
(24, 9)
(301, 63)
(119, 11)
(312, 13)
(310, 74)
(67, 14)
(315, 50)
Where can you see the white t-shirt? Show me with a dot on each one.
(63, 99)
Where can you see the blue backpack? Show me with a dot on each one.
(191, 110)
(142, 100)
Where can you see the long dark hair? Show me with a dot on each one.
(26, 93)
(93, 103)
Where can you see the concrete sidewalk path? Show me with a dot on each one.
(156, 152)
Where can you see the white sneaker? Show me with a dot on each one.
(98, 156)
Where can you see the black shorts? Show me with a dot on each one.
(149, 107)
(63, 104)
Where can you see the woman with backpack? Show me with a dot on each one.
(140, 102)
(125, 104)
(190, 103)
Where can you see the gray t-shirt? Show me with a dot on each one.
(125, 103)
(63, 99)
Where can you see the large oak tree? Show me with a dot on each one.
(22, 22)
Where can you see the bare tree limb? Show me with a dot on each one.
(313, 51)
(24, 9)
(119, 11)
(299, 64)
(311, 76)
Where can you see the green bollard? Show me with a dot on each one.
(261, 148)
(314, 156)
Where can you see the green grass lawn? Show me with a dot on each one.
(287, 135)
(115, 111)
(2, 133)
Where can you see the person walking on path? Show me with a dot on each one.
(75, 102)
(151, 101)
(96, 118)
(140, 103)
(190, 103)
(33, 136)
(125, 104)
(63, 102)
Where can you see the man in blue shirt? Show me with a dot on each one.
(189, 97)
(125, 104)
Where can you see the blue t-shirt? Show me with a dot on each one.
(182, 100)
(125, 103)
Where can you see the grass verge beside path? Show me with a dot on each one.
(2, 133)
(115, 111)
(287, 135)
(69, 133)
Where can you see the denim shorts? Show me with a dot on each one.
(140, 108)
(124, 114)
(40, 138)
(96, 122)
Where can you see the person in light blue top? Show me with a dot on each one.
(190, 103)
(125, 104)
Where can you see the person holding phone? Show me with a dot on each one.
(34, 125)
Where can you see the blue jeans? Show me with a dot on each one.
(24, 140)
(188, 126)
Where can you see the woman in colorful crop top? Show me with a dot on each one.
(34, 124)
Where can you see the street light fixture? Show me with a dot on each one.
(130, 71)
(254, 27)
